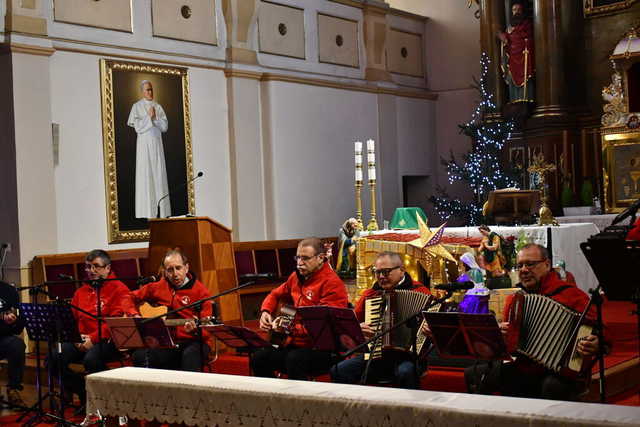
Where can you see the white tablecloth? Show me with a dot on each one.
(565, 244)
(216, 400)
(600, 221)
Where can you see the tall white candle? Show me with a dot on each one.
(358, 159)
(370, 145)
(372, 173)
(358, 175)
(358, 147)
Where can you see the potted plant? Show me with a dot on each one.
(571, 205)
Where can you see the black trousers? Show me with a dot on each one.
(297, 363)
(506, 378)
(94, 360)
(12, 348)
(188, 356)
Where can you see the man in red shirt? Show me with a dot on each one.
(178, 288)
(524, 377)
(391, 275)
(96, 348)
(313, 283)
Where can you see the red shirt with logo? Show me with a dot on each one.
(165, 294)
(116, 301)
(322, 287)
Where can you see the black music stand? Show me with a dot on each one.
(55, 324)
(241, 338)
(132, 332)
(333, 329)
(467, 336)
(610, 257)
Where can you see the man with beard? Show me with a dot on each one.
(525, 377)
(518, 53)
(313, 283)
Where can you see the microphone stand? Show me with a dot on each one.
(40, 414)
(198, 302)
(174, 190)
(198, 305)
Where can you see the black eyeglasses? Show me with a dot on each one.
(383, 271)
(528, 264)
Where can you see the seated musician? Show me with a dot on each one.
(11, 345)
(96, 348)
(391, 275)
(313, 283)
(524, 377)
(178, 287)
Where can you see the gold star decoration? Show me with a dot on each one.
(429, 241)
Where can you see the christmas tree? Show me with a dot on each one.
(480, 167)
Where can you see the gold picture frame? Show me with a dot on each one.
(120, 89)
(601, 7)
(621, 169)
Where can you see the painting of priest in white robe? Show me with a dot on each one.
(149, 120)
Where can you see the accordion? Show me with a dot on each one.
(547, 332)
(389, 309)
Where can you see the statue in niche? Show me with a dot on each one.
(517, 49)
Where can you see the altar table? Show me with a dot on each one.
(214, 400)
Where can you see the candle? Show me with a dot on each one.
(358, 159)
(370, 145)
(358, 146)
(371, 157)
(358, 175)
(372, 173)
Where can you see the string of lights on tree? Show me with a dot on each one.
(480, 168)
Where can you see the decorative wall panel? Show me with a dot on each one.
(188, 20)
(112, 14)
(338, 40)
(281, 30)
(404, 53)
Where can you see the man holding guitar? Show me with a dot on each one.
(313, 283)
(178, 287)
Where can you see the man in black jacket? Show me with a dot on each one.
(12, 347)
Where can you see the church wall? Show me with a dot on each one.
(452, 58)
(79, 176)
(34, 155)
(274, 138)
(312, 134)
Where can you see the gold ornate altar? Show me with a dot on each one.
(621, 127)
(439, 260)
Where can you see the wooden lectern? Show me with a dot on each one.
(208, 246)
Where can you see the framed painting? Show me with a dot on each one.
(621, 164)
(146, 130)
(600, 7)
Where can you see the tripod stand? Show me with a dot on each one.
(53, 323)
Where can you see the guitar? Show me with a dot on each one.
(282, 325)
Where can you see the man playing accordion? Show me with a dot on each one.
(525, 377)
(402, 371)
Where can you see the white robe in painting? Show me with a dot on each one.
(151, 170)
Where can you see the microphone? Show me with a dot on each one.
(173, 190)
(452, 287)
(257, 276)
(65, 277)
(144, 280)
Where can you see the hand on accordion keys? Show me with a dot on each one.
(367, 330)
(588, 346)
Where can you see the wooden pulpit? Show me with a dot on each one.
(209, 248)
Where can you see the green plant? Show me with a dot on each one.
(567, 198)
